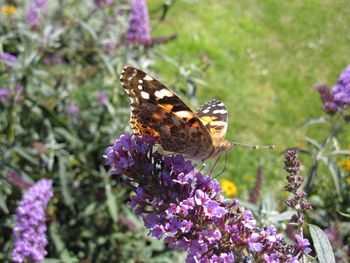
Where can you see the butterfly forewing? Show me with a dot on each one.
(213, 115)
(157, 111)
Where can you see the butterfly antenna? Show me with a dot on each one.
(255, 147)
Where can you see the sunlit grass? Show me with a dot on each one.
(265, 56)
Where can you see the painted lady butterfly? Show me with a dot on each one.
(157, 111)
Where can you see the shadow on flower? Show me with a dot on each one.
(187, 209)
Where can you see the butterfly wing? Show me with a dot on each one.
(157, 111)
(213, 115)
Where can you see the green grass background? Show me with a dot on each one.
(265, 56)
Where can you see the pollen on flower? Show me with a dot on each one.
(229, 187)
(8, 10)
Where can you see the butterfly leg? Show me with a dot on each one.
(223, 170)
(216, 162)
(203, 166)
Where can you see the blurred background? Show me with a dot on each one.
(61, 105)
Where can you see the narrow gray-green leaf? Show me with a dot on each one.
(313, 142)
(111, 200)
(22, 152)
(344, 214)
(322, 246)
(64, 179)
(59, 244)
(336, 174)
(3, 205)
(345, 152)
(315, 121)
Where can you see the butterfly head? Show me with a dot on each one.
(222, 147)
(225, 147)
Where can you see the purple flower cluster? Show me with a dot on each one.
(8, 58)
(179, 204)
(255, 192)
(53, 59)
(101, 3)
(5, 93)
(329, 106)
(16, 180)
(102, 97)
(338, 97)
(139, 32)
(30, 228)
(72, 110)
(36, 12)
(341, 91)
(292, 167)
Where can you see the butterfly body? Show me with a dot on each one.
(158, 112)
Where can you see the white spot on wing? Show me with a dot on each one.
(139, 87)
(140, 81)
(221, 111)
(206, 111)
(144, 95)
(163, 93)
(147, 77)
(132, 75)
(184, 114)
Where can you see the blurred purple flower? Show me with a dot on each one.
(334, 235)
(30, 228)
(341, 91)
(139, 32)
(255, 192)
(16, 180)
(329, 105)
(178, 203)
(72, 110)
(102, 97)
(5, 94)
(36, 12)
(101, 3)
(53, 59)
(8, 58)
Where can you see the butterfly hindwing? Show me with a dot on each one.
(157, 111)
(213, 115)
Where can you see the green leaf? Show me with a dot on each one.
(322, 246)
(21, 152)
(313, 142)
(311, 175)
(64, 179)
(59, 244)
(336, 174)
(316, 121)
(3, 205)
(345, 152)
(344, 214)
(52, 260)
(111, 199)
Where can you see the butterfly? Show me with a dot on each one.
(158, 112)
